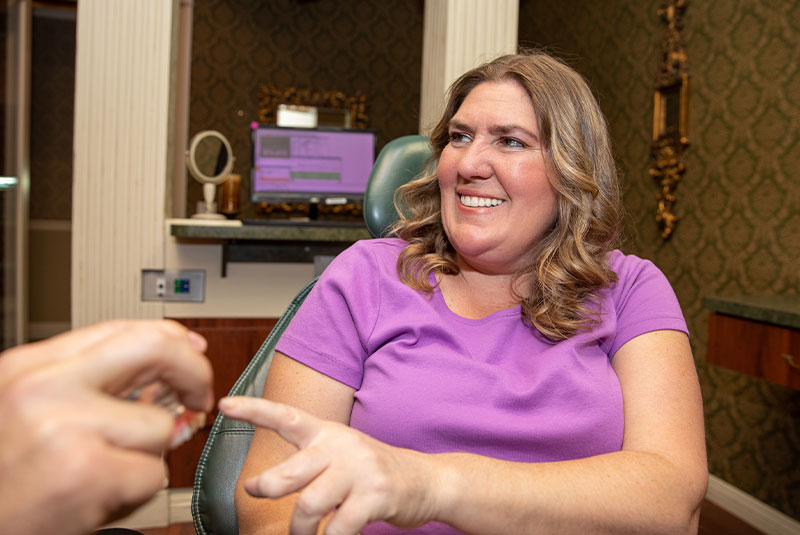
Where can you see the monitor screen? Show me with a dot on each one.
(310, 164)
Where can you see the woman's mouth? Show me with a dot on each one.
(472, 201)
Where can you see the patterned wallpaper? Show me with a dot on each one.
(371, 46)
(739, 201)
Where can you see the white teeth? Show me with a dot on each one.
(466, 200)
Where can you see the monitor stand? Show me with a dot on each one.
(313, 211)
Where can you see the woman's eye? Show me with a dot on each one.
(458, 137)
(511, 142)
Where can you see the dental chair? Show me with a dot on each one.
(213, 511)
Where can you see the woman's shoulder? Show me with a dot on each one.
(628, 266)
(380, 248)
(637, 275)
(641, 300)
(366, 258)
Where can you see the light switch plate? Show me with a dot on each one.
(173, 285)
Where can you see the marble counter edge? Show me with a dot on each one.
(781, 310)
(303, 233)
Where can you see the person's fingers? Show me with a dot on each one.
(289, 476)
(59, 347)
(78, 340)
(149, 351)
(131, 425)
(198, 341)
(133, 478)
(84, 480)
(294, 425)
(318, 499)
(350, 517)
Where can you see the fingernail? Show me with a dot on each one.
(227, 403)
(251, 486)
(198, 341)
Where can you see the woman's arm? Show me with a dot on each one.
(297, 385)
(654, 485)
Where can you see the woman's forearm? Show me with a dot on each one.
(622, 492)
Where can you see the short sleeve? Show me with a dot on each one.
(330, 330)
(643, 300)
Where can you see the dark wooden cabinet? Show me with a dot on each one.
(232, 342)
(756, 348)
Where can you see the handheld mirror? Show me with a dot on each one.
(210, 161)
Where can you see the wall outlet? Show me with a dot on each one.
(173, 285)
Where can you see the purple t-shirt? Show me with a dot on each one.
(431, 380)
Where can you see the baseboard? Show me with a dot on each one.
(180, 505)
(168, 506)
(153, 514)
(751, 510)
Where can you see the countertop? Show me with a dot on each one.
(278, 232)
(782, 310)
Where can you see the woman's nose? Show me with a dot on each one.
(475, 161)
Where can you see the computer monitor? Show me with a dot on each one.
(314, 165)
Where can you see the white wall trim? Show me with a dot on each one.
(180, 505)
(168, 506)
(123, 89)
(153, 514)
(751, 510)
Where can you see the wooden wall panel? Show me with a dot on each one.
(755, 348)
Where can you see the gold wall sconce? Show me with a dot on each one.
(670, 115)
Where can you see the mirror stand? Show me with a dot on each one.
(209, 192)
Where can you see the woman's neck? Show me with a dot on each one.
(472, 294)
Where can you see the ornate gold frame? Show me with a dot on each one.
(670, 115)
(270, 97)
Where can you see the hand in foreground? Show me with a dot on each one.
(338, 467)
(74, 452)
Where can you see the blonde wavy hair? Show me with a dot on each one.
(570, 263)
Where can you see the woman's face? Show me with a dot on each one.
(496, 198)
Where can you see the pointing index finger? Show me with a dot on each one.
(294, 425)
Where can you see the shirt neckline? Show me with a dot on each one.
(441, 305)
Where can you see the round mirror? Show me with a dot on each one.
(210, 161)
(210, 158)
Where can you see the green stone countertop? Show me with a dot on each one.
(285, 242)
(782, 310)
(287, 232)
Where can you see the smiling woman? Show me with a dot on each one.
(496, 340)
(561, 150)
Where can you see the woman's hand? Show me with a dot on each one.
(339, 468)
